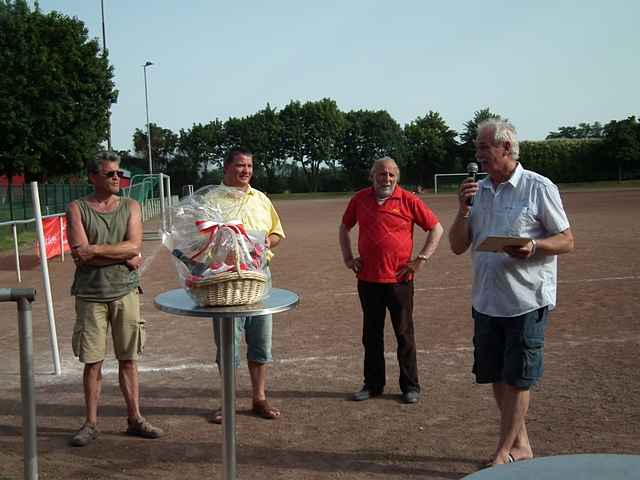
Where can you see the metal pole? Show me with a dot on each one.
(164, 221)
(61, 223)
(169, 203)
(104, 54)
(146, 101)
(14, 227)
(44, 266)
(24, 297)
(27, 390)
(227, 354)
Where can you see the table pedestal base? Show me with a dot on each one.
(228, 372)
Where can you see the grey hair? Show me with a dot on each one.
(503, 131)
(103, 156)
(378, 161)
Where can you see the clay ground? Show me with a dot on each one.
(588, 400)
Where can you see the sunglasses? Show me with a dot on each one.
(113, 173)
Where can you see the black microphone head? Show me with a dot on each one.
(472, 168)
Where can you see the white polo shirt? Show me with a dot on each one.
(527, 205)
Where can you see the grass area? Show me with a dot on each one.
(25, 237)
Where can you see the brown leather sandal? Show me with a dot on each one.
(262, 409)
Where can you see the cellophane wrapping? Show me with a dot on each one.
(207, 238)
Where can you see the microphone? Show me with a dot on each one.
(472, 172)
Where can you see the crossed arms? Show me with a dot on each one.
(127, 251)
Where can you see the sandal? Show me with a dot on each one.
(262, 409)
(508, 459)
(217, 417)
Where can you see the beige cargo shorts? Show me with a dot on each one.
(95, 319)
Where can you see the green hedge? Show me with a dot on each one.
(568, 160)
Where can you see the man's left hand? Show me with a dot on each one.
(410, 268)
(522, 252)
(134, 263)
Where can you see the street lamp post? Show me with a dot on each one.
(146, 101)
(104, 54)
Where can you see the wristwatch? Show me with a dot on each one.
(422, 257)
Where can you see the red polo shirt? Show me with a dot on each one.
(385, 240)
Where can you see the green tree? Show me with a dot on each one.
(163, 146)
(203, 145)
(264, 137)
(622, 142)
(431, 146)
(294, 132)
(369, 135)
(467, 137)
(312, 135)
(54, 91)
(583, 130)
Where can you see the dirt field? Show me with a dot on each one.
(587, 401)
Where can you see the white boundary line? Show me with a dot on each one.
(457, 287)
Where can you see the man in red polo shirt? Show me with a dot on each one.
(386, 214)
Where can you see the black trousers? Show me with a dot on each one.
(376, 299)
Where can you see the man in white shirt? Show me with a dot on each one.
(513, 290)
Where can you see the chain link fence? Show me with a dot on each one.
(16, 203)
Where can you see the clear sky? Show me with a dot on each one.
(542, 64)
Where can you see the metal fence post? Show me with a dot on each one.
(16, 251)
(24, 297)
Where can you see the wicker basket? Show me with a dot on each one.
(241, 287)
(229, 288)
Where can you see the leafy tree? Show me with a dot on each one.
(54, 92)
(236, 132)
(163, 146)
(583, 130)
(312, 136)
(264, 133)
(622, 143)
(203, 145)
(467, 149)
(294, 132)
(369, 135)
(431, 146)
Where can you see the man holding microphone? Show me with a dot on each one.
(513, 289)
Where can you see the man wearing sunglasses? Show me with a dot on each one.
(105, 234)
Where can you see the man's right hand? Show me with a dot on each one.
(468, 188)
(354, 264)
(82, 253)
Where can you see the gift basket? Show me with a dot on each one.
(218, 260)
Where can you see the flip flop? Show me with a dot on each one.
(510, 459)
(262, 409)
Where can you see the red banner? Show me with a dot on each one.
(51, 227)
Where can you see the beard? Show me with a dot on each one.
(384, 191)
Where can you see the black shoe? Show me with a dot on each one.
(410, 396)
(366, 393)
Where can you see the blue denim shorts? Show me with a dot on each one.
(257, 332)
(509, 349)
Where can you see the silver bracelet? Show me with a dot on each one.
(533, 250)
